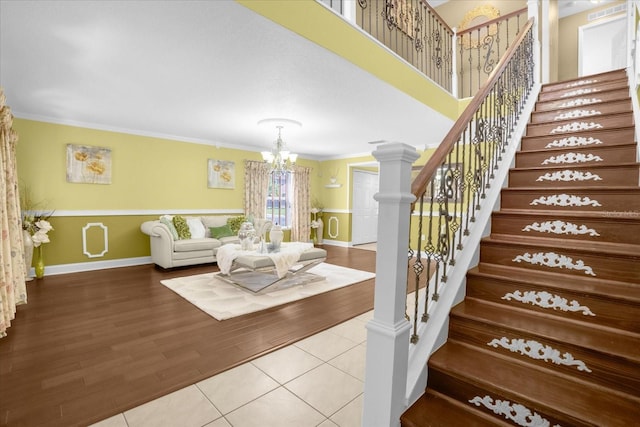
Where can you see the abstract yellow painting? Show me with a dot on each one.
(221, 174)
(88, 165)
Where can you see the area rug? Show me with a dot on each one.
(222, 300)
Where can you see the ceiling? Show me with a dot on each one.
(197, 71)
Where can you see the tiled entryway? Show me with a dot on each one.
(315, 382)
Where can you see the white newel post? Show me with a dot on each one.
(388, 331)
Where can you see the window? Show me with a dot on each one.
(279, 198)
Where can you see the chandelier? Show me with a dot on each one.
(279, 158)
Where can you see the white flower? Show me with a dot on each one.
(40, 237)
(44, 225)
(315, 210)
(38, 231)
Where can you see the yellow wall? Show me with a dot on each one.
(568, 35)
(150, 176)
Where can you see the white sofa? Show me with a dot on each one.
(168, 252)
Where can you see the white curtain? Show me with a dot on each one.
(256, 186)
(301, 212)
(13, 289)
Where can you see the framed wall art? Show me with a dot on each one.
(88, 165)
(221, 174)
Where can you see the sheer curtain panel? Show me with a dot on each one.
(301, 212)
(256, 185)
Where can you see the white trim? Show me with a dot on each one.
(105, 236)
(96, 265)
(336, 243)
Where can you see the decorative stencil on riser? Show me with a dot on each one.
(569, 175)
(581, 83)
(561, 227)
(579, 101)
(576, 126)
(573, 141)
(580, 92)
(553, 260)
(537, 351)
(572, 158)
(576, 114)
(545, 299)
(515, 412)
(567, 200)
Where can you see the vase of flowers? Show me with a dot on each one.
(36, 227)
(39, 229)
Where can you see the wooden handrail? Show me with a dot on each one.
(418, 187)
(492, 21)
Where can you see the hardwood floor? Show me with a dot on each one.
(92, 344)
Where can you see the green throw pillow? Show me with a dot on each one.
(222, 231)
(181, 227)
(235, 222)
(169, 223)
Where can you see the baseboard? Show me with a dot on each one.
(93, 265)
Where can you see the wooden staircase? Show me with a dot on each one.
(549, 331)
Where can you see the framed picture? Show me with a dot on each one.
(88, 165)
(221, 174)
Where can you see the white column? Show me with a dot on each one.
(388, 331)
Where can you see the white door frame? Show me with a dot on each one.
(354, 208)
(583, 28)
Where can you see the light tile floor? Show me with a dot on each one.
(318, 381)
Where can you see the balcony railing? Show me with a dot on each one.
(481, 47)
(460, 63)
(414, 31)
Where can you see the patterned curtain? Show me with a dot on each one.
(256, 185)
(13, 289)
(301, 215)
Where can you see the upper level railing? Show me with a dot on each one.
(414, 31)
(481, 47)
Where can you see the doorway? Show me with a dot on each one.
(364, 217)
(602, 46)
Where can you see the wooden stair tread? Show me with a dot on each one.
(540, 390)
(552, 150)
(577, 166)
(618, 249)
(603, 288)
(619, 74)
(573, 213)
(437, 410)
(604, 188)
(593, 133)
(613, 94)
(549, 327)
